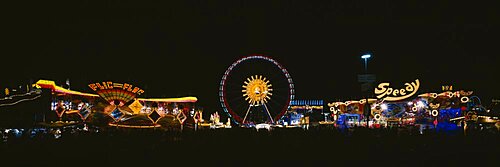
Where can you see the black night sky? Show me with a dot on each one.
(182, 48)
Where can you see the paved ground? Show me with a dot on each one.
(246, 147)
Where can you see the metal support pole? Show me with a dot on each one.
(367, 115)
(272, 121)
(250, 106)
(366, 103)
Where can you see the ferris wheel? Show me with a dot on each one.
(256, 89)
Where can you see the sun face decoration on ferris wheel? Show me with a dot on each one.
(257, 90)
(248, 98)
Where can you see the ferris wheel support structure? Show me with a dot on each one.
(224, 99)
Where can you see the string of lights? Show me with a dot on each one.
(14, 103)
(19, 95)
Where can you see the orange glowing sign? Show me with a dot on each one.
(111, 85)
(383, 91)
(116, 91)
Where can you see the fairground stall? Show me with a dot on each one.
(303, 112)
(350, 113)
(117, 105)
(445, 110)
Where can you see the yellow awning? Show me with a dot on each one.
(171, 100)
(51, 85)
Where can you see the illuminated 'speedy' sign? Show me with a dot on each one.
(383, 91)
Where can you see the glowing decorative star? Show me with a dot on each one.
(257, 90)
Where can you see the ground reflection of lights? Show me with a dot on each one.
(135, 126)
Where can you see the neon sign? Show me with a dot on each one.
(465, 93)
(447, 88)
(383, 91)
(112, 92)
(111, 85)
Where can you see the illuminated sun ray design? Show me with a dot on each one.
(228, 103)
(111, 95)
(257, 90)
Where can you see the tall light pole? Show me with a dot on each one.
(366, 57)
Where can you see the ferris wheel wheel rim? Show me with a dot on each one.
(222, 98)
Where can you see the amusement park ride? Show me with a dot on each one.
(446, 110)
(257, 92)
(116, 105)
(250, 106)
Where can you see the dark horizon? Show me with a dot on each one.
(174, 49)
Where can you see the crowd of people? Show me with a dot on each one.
(319, 145)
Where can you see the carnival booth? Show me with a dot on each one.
(303, 112)
(398, 107)
(117, 105)
(350, 113)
